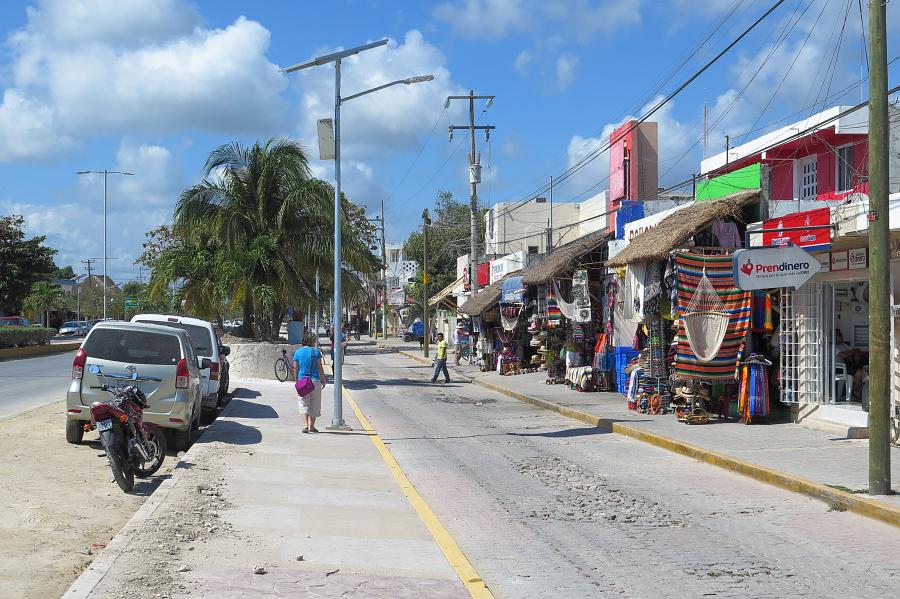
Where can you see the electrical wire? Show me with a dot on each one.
(597, 151)
(418, 155)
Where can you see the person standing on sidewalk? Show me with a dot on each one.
(440, 360)
(308, 362)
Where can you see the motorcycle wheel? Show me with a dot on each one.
(124, 478)
(156, 441)
(356, 335)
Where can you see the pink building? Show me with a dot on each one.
(821, 158)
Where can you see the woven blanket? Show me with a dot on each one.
(719, 271)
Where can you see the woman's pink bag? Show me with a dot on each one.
(304, 386)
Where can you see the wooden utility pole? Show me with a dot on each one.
(426, 221)
(474, 178)
(89, 263)
(879, 258)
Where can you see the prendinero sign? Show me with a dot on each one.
(769, 268)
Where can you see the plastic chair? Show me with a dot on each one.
(845, 379)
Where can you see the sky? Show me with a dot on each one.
(153, 86)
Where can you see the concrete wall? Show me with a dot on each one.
(256, 360)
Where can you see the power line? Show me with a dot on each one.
(593, 154)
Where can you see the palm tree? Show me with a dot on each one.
(272, 220)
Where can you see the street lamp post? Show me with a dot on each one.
(337, 420)
(105, 174)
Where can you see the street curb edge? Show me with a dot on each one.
(88, 580)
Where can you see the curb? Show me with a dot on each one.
(12, 353)
(85, 584)
(858, 504)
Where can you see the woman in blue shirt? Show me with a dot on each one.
(308, 362)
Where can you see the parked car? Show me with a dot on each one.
(13, 321)
(121, 348)
(206, 345)
(71, 328)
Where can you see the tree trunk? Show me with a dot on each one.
(277, 315)
(247, 329)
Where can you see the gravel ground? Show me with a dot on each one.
(60, 503)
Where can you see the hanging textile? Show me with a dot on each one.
(581, 296)
(553, 313)
(567, 309)
(753, 400)
(509, 317)
(705, 320)
(633, 292)
(736, 303)
(761, 313)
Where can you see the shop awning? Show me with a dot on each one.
(674, 230)
(487, 297)
(563, 259)
(442, 295)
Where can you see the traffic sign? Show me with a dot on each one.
(425, 278)
(773, 267)
(132, 302)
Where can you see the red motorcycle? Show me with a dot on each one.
(133, 447)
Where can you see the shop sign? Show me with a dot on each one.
(774, 234)
(642, 225)
(500, 267)
(769, 268)
(824, 262)
(857, 259)
(839, 261)
(513, 291)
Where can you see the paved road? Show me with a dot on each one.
(31, 382)
(546, 507)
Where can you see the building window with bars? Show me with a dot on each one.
(807, 178)
(844, 165)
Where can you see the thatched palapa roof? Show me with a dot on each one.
(674, 230)
(486, 297)
(563, 258)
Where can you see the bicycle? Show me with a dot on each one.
(284, 367)
(468, 353)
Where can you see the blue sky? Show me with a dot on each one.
(151, 86)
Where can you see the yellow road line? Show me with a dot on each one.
(467, 574)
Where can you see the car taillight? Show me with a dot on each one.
(181, 374)
(78, 364)
(214, 371)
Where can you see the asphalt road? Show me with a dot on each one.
(31, 382)
(544, 506)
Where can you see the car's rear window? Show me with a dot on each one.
(200, 337)
(70, 324)
(138, 347)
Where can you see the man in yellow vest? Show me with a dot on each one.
(440, 361)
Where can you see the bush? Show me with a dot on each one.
(25, 336)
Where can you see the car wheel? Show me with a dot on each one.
(181, 440)
(195, 422)
(74, 431)
(207, 415)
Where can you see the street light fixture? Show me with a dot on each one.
(105, 174)
(337, 420)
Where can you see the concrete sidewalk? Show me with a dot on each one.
(258, 509)
(785, 454)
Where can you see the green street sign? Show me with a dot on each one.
(132, 302)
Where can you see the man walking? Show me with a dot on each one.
(440, 361)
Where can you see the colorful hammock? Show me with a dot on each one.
(690, 268)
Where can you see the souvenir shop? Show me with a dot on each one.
(702, 348)
(486, 324)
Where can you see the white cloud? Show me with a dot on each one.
(484, 18)
(385, 121)
(29, 128)
(523, 58)
(157, 180)
(565, 70)
(101, 66)
(494, 19)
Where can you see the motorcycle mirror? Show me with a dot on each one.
(94, 369)
(134, 376)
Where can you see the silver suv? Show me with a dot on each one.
(151, 351)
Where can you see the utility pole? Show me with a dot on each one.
(88, 265)
(550, 228)
(384, 281)
(474, 177)
(879, 258)
(426, 221)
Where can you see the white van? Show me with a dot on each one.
(206, 345)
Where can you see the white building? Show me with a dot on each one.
(512, 226)
(400, 271)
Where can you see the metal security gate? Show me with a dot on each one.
(804, 350)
